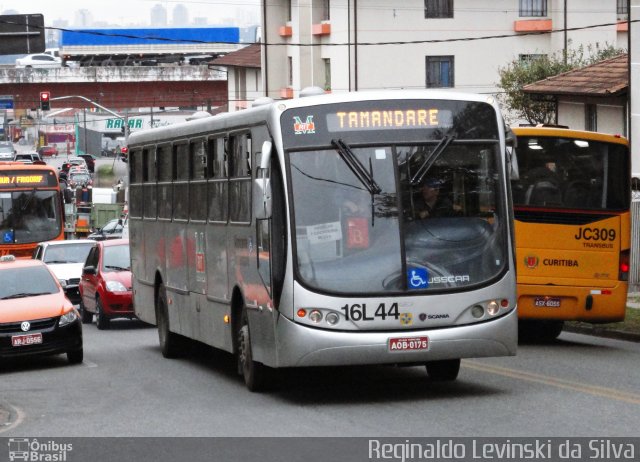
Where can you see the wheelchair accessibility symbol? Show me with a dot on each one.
(417, 278)
(7, 237)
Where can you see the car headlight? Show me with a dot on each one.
(63, 283)
(116, 286)
(68, 318)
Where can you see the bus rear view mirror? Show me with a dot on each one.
(262, 198)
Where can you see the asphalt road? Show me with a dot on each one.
(578, 386)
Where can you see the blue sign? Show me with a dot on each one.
(7, 237)
(6, 102)
(417, 278)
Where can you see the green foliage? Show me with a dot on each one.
(518, 73)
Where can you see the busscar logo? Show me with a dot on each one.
(531, 261)
(304, 128)
(42, 451)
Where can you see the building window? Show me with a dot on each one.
(533, 8)
(290, 71)
(591, 117)
(529, 58)
(327, 74)
(438, 8)
(440, 72)
(623, 7)
(326, 10)
(288, 7)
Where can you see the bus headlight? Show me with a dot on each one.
(315, 316)
(493, 308)
(332, 319)
(477, 311)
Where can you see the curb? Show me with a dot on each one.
(605, 333)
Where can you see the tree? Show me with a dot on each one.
(521, 72)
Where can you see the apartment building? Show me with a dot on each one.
(346, 45)
(634, 82)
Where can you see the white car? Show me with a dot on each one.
(39, 61)
(65, 259)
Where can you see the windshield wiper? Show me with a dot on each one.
(24, 294)
(359, 170)
(116, 267)
(28, 201)
(417, 178)
(58, 261)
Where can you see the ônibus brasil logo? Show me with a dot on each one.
(531, 261)
(302, 128)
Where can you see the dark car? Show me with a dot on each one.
(90, 160)
(105, 287)
(48, 151)
(112, 230)
(35, 316)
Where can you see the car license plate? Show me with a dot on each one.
(548, 302)
(408, 344)
(27, 339)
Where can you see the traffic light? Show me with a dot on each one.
(44, 100)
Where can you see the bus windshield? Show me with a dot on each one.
(571, 173)
(435, 221)
(29, 216)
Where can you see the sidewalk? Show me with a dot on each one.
(628, 330)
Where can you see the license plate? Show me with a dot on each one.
(27, 339)
(548, 302)
(408, 344)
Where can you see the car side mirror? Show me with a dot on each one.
(89, 270)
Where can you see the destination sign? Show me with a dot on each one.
(389, 119)
(26, 179)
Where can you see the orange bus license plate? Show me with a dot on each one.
(548, 302)
(408, 344)
(27, 339)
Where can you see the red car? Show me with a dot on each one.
(105, 286)
(48, 151)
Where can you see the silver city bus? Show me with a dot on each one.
(305, 232)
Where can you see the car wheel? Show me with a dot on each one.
(102, 321)
(169, 341)
(443, 371)
(75, 356)
(87, 317)
(254, 373)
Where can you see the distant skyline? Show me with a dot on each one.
(136, 13)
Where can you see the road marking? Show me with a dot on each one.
(88, 363)
(611, 393)
(19, 417)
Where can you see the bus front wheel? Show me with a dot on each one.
(443, 371)
(169, 341)
(254, 373)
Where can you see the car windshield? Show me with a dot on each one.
(116, 258)
(29, 216)
(67, 253)
(26, 282)
(353, 237)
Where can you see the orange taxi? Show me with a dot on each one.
(36, 318)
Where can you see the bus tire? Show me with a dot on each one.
(532, 331)
(102, 321)
(443, 371)
(169, 341)
(254, 373)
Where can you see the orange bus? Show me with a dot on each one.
(571, 196)
(31, 207)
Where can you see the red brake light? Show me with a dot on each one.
(624, 267)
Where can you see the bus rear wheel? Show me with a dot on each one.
(443, 371)
(254, 373)
(169, 341)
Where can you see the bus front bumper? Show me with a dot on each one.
(302, 346)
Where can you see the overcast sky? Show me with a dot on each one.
(126, 12)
